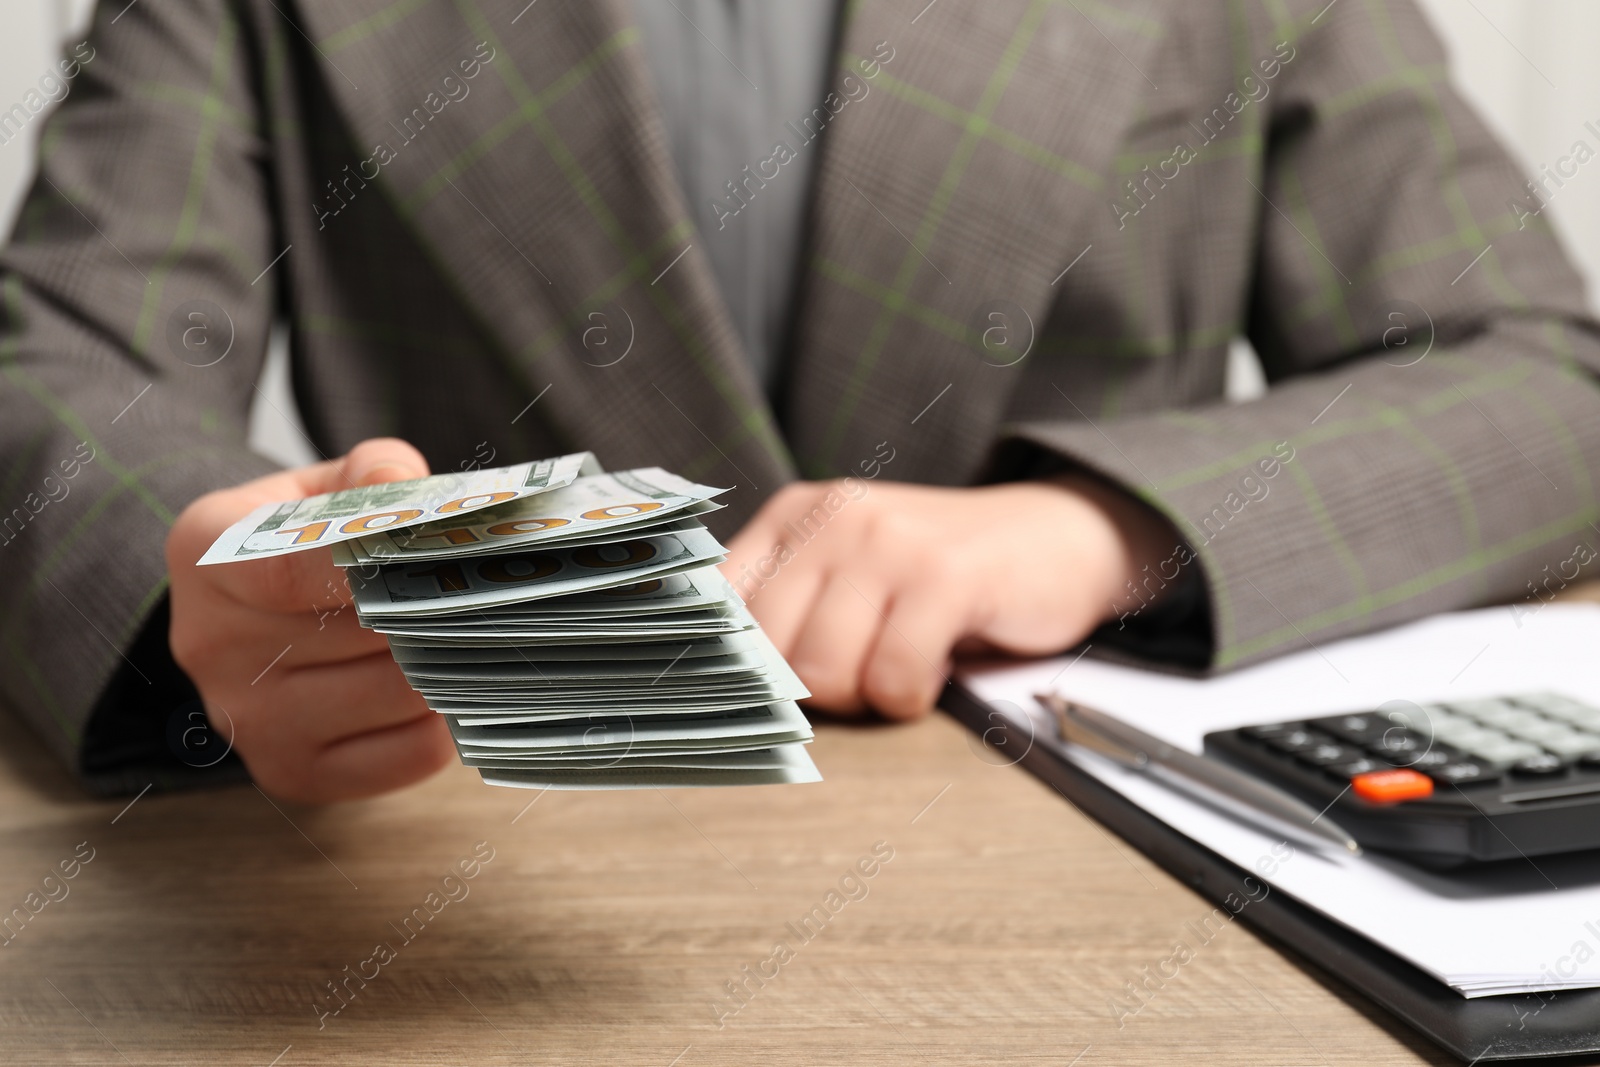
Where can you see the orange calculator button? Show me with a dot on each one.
(1390, 787)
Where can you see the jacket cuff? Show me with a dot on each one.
(149, 727)
(1175, 631)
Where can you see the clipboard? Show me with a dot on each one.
(1559, 1027)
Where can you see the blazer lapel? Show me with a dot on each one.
(949, 198)
(543, 186)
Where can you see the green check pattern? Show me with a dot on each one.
(505, 260)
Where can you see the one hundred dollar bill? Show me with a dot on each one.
(333, 518)
(780, 722)
(474, 582)
(798, 769)
(590, 506)
(694, 590)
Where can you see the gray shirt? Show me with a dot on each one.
(736, 79)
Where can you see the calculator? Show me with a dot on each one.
(1441, 785)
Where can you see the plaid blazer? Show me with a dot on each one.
(1035, 229)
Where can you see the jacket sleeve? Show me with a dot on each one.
(134, 307)
(1429, 436)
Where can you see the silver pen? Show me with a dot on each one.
(1215, 783)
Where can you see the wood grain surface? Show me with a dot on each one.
(208, 926)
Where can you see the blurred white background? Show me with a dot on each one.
(1527, 64)
(31, 35)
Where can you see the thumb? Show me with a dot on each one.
(288, 582)
(372, 462)
(383, 459)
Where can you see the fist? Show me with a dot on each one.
(869, 588)
(313, 703)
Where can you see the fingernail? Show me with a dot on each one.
(388, 470)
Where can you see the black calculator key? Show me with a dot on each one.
(1271, 729)
(1427, 760)
(1463, 772)
(1297, 740)
(1328, 753)
(1539, 766)
(1397, 741)
(1357, 729)
(1357, 766)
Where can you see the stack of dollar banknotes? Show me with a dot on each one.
(570, 624)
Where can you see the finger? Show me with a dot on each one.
(749, 555)
(376, 762)
(297, 580)
(292, 641)
(321, 705)
(762, 535)
(295, 584)
(833, 644)
(907, 667)
(782, 599)
(747, 548)
(360, 766)
(375, 461)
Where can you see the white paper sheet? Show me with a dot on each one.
(1523, 927)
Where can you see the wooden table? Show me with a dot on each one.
(207, 927)
(607, 924)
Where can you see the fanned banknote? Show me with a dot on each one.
(604, 504)
(446, 586)
(333, 518)
(574, 636)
